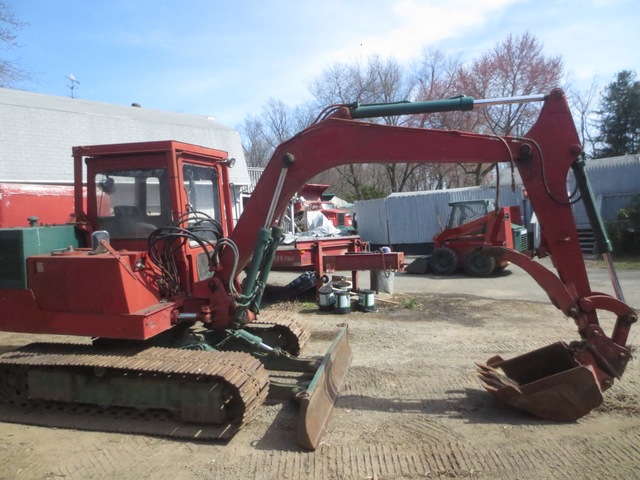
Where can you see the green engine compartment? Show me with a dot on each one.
(18, 244)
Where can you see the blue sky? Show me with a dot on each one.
(226, 59)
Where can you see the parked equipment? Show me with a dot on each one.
(19, 203)
(326, 255)
(149, 271)
(310, 201)
(474, 225)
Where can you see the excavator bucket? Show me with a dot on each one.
(548, 383)
(318, 400)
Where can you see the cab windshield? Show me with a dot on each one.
(133, 203)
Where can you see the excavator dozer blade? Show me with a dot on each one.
(548, 383)
(318, 400)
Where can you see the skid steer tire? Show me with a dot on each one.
(443, 261)
(479, 264)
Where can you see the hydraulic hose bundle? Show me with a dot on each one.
(165, 242)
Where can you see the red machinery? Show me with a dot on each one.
(141, 276)
(309, 199)
(19, 202)
(474, 225)
(325, 255)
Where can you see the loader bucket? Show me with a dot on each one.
(548, 383)
(318, 400)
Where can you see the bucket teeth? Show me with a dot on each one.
(493, 378)
(491, 382)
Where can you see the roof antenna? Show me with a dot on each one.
(73, 83)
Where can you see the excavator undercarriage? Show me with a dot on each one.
(186, 390)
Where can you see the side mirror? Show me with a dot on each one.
(96, 239)
(108, 185)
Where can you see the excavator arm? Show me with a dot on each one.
(543, 157)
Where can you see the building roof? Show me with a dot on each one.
(622, 161)
(38, 131)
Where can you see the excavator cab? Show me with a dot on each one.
(128, 203)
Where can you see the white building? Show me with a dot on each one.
(38, 131)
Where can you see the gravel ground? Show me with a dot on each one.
(412, 406)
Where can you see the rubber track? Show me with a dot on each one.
(243, 376)
(296, 331)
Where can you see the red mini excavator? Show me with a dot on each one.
(149, 272)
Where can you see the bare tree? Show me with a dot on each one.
(255, 141)
(277, 123)
(10, 73)
(514, 67)
(584, 112)
(376, 81)
(437, 77)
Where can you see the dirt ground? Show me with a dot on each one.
(412, 407)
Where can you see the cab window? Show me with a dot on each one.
(132, 203)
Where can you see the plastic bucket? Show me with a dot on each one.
(366, 301)
(345, 286)
(343, 302)
(382, 281)
(326, 299)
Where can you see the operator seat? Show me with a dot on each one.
(130, 223)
